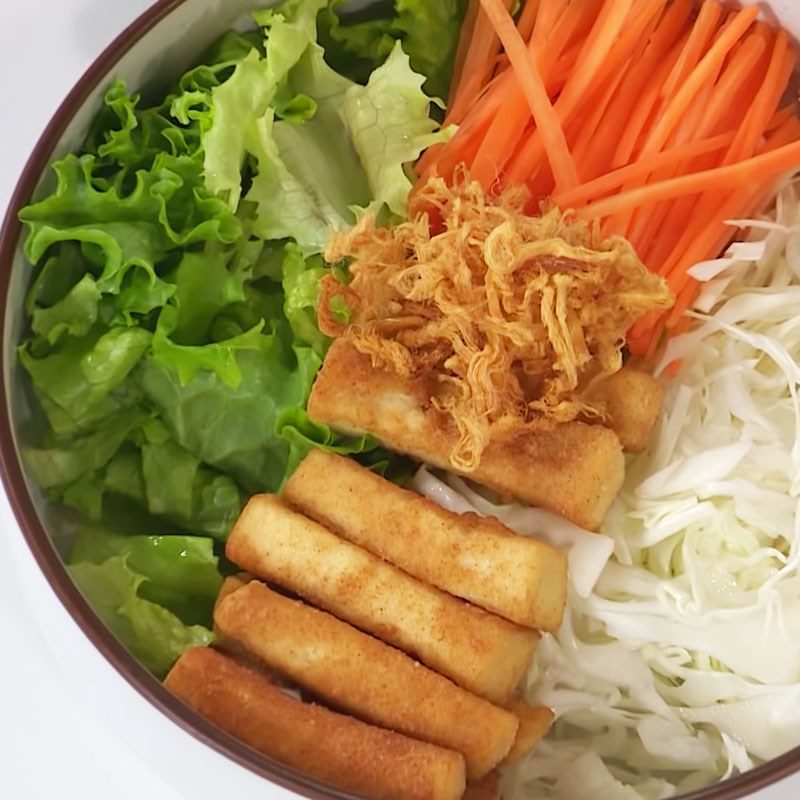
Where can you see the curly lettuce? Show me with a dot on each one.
(173, 338)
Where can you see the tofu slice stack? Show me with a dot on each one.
(413, 625)
(478, 650)
(469, 556)
(357, 673)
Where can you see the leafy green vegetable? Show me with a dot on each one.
(301, 288)
(173, 336)
(233, 427)
(156, 593)
(153, 634)
(181, 572)
(428, 32)
(390, 126)
(344, 149)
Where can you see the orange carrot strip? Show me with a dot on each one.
(532, 85)
(595, 142)
(598, 44)
(548, 15)
(650, 90)
(480, 117)
(645, 223)
(640, 122)
(464, 39)
(639, 73)
(507, 128)
(483, 49)
(716, 210)
(473, 89)
(779, 71)
(668, 222)
(781, 116)
(527, 19)
(731, 83)
(600, 62)
(692, 85)
(613, 180)
(678, 106)
(587, 131)
(657, 228)
(757, 169)
(707, 22)
(707, 205)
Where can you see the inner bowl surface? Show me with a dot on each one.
(157, 47)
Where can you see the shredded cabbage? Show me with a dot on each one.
(678, 663)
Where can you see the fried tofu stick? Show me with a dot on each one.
(575, 470)
(481, 652)
(331, 747)
(633, 402)
(534, 722)
(470, 556)
(352, 671)
(487, 788)
(231, 584)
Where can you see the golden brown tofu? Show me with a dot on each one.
(231, 584)
(336, 749)
(480, 651)
(534, 722)
(576, 470)
(487, 788)
(354, 672)
(633, 402)
(467, 555)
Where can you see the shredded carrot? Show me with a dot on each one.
(689, 89)
(464, 40)
(510, 121)
(483, 48)
(707, 21)
(756, 169)
(613, 180)
(532, 85)
(653, 119)
(527, 19)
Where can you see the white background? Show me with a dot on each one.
(70, 726)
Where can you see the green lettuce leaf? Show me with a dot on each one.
(204, 287)
(167, 209)
(59, 464)
(243, 99)
(428, 31)
(339, 146)
(171, 484)
(390, 125)
(233, 427)
(301, 279)
(155, 635)
(173, 338)
(181, 572)
(78, 383)
(354, 49)
(75, 314)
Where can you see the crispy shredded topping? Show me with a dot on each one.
(513, 317)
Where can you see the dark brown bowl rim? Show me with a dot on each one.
(48, 559)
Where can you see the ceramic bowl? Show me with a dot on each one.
(159, 46)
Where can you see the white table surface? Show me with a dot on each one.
(71, 727)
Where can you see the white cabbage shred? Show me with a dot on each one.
(678, 663)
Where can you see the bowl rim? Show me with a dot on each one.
(50, 563)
